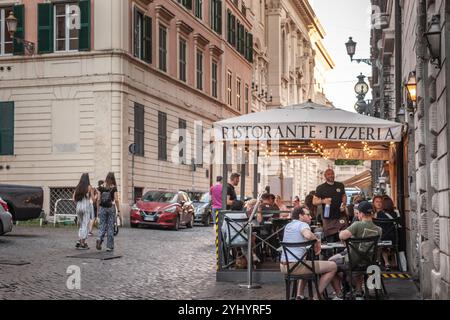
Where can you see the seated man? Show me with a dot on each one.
(298, 231)
(364, 228)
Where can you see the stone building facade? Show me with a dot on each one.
(426, 160)
(135, 72)
(290, 66)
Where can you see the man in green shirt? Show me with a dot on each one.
(364, 228)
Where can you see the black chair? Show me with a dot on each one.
(236, 229)
(390, 232)
(362, 253)
(311, 278)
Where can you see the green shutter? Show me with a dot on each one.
(147, 40)
(188, 4)
(6, 128)
(85, 31)
(135, 33)
(19, 13)
(45, 28)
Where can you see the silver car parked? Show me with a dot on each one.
(6, 223)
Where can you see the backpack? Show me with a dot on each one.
(106, 199)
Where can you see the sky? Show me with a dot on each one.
(343, 19)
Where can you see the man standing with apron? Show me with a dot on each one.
(331, 196)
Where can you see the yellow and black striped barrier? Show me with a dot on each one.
(216, 226)
(403, 276)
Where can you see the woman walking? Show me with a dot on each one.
(108, 196)
(83, 197)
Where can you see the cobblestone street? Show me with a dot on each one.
(155, 264)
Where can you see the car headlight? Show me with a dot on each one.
(170, 210)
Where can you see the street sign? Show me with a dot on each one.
(133, 148)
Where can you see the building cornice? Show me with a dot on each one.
(200, 40)
(164, 13)
(184, 28)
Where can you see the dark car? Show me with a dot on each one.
(202, 204)
(168, 209)
(24, 202)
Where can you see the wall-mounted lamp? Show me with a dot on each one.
(434, 42)
(11, 24)
(411, 87)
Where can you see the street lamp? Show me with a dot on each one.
(11, 24)
(411, 87)
(351, 50)
(433, 37)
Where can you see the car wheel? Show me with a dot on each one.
(208, 220)
(190, 224)
(177, 224)
(134, 225)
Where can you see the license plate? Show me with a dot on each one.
(150, 218)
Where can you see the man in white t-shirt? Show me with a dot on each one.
(298, 231)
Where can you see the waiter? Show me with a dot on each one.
(332, 193)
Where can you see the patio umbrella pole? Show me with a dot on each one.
(250, 284)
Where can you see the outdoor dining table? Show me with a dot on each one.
(335, 246)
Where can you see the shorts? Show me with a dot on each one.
(340, 260)
(301, 269)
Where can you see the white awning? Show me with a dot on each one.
(308, 121)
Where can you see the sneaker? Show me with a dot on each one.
(109, 249)
(78, 244)
(338, 297)
(99, 245)
(90, 234)
(83, 247)
(359, 296)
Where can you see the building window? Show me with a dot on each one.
(163, 48)
(6, 42)
(199, 9)
(182, 126)
(199, 145)
(162, 136)
(199, 70)
(54, 32)
(240, 41)
(142, 36)
(6, 128)
(182, 62)
(139, 129)
(231, 23)
(229, 88)
(248, 46)
(65, 39)
(214, 77)
(246, 99)
(238, 94)
(216, 16)
(186, 3)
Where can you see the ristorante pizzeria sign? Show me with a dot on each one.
(309, 132)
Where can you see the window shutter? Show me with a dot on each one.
(85, 31)
(233, 30)
(219, 16)
(19, 13)
(250, 47)
(45, 28)
(188, 4)
(6, 128)
(147, 40)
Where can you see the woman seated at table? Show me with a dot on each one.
(284, 214)
(387, 213)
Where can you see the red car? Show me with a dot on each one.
(163, 208)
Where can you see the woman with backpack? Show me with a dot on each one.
(108, 196)
(83, 198)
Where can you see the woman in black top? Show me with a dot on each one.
(108, 202)
(388, 234)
